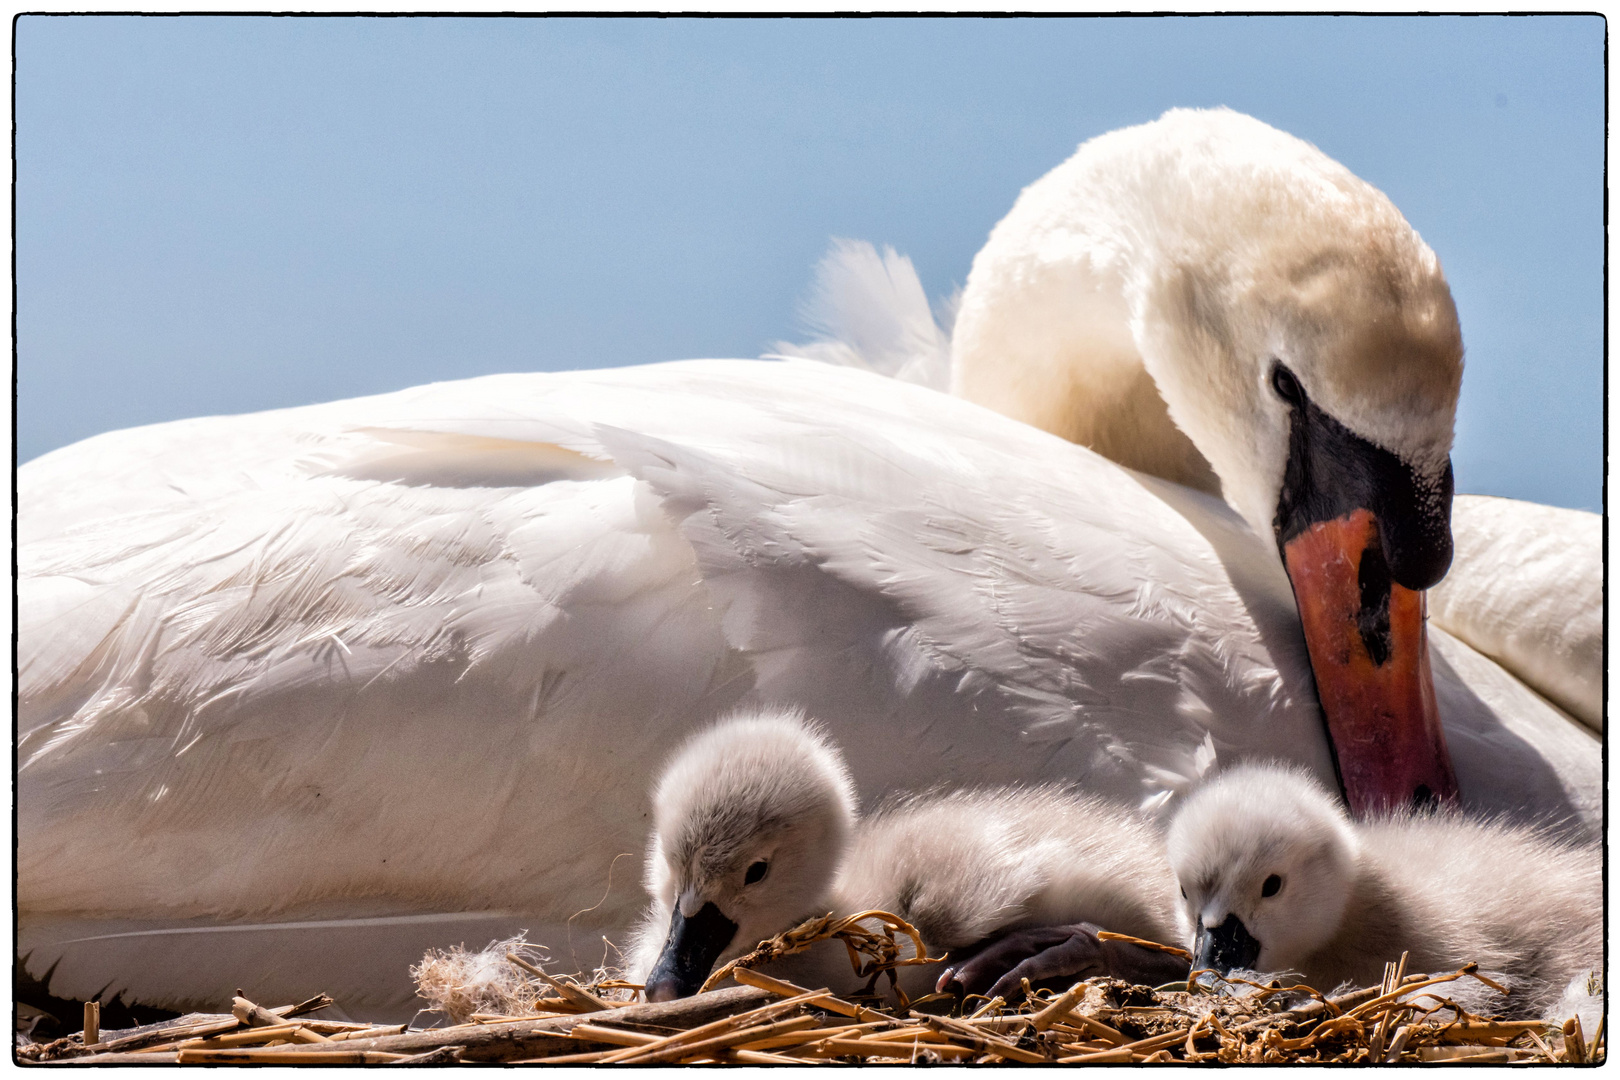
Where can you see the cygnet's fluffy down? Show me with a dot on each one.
(964, 865)
(1277, 878)
(755, 829)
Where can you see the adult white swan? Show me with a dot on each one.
(303, 691)
(1526, 580)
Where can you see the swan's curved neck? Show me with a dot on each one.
(1123, 418)
(1035, 351)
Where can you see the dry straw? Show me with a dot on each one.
(764, 1020)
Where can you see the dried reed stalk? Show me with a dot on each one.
(1173, 950)
(871, 953)
(1404, 1019)
(582, 1000)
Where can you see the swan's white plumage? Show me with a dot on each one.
(1526, 589)
(1526, 582)
(1350, 896)
(1136, 297)
(1526, 585)
(869, 310)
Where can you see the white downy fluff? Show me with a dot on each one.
(868, 310)
(458, 982)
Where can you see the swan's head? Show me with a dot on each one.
(750, 820)
(1304, 338)
(1267, 864)
(1303, 346)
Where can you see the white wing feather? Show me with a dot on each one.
(1526, 589)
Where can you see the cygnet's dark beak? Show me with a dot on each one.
(689, 953)
(1225, 947)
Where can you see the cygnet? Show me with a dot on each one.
(755, 828)
(1275, 877)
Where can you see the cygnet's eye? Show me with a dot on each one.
(756, 872)
(1287, 387)
(1272, 886)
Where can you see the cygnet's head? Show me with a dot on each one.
(750, 820)
(1267, 863)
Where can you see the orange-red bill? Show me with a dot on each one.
(1370, 653)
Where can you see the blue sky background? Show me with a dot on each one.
(230, 214)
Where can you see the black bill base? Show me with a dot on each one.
(689, 953)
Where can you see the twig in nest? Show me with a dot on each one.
(826, 1002)
(1383, 1000)
(990, 1005)
(583, 1000)
(1109, 935)
(879, 948)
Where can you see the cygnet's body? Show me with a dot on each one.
(1277, 878)
(756, 829)
(965, 865)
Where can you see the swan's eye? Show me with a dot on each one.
(1287, 387)
(756, 872)
(1272, 886)
(1184, 892)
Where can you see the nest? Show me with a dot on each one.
(763, 1020)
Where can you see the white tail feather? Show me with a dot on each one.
(868, 310)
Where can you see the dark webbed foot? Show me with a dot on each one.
(1043, 954)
